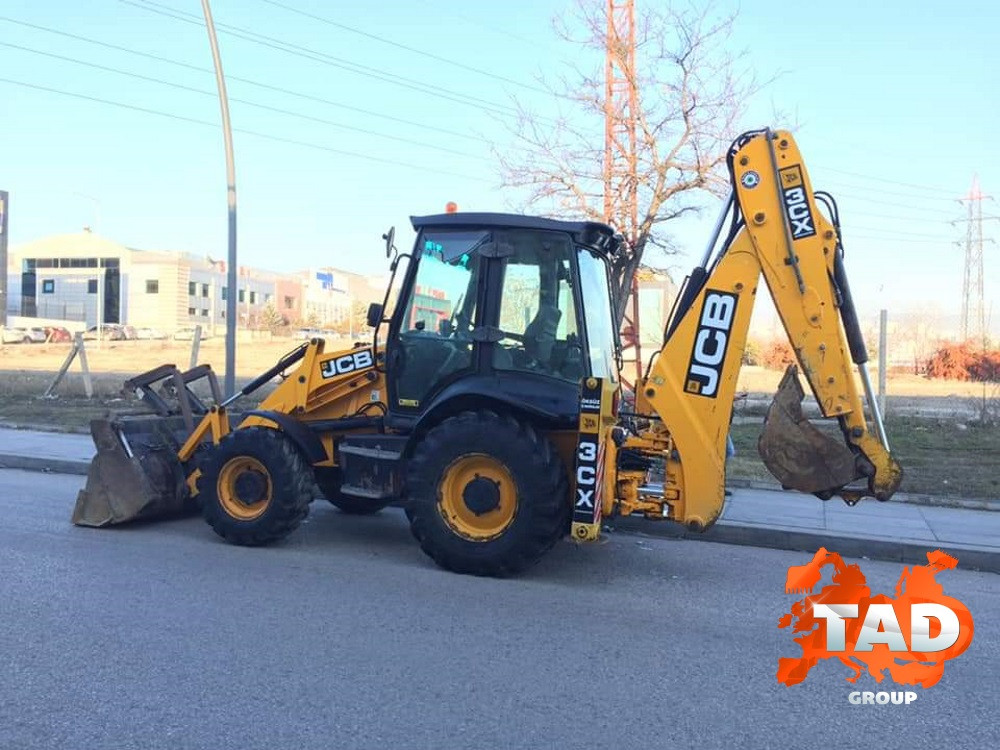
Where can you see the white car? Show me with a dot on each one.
(23, 336)
(149, 334)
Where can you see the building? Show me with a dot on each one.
(82, 277)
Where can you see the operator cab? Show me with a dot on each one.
(510, 307)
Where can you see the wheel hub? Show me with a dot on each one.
(481, 495)
(250, 487)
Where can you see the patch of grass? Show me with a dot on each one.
(938, 457)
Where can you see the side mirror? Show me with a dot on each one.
(374, 314)
(389, 238)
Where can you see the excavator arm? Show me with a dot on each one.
(777, 233)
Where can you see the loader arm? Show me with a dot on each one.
(777, 233)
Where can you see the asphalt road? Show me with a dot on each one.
(346, 636)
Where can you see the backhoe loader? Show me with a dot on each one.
(487, 404)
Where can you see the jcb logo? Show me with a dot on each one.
(800, 218)
(348, 363)
(710, 343)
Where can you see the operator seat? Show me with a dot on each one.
(540, 334)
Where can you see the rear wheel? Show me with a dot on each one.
(486, 494)
(255, 487)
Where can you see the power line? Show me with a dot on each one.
(399, 45)
(864, 199)
(246, 102)
(249, 81)
(322, 57)
(897, 239)
(923, 235)
(896, 217)
(880, 191)
(255, 133)
(936, 189)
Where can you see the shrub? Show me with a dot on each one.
(962, 362)
(777, 355)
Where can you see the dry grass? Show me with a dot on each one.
(938, 457)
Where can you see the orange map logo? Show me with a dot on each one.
(910, 636)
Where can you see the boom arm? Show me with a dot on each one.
(779, 233)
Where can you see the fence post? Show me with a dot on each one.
(77, 349)
(883, 317)
(195, 346)
(88, 385)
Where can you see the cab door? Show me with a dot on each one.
(432, 340)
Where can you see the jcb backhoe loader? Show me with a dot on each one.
(489, 409)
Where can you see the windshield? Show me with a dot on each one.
(596, 293)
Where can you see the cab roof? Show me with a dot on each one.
(593, 234)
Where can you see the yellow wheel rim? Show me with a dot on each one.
(477, 497)
(244, 488)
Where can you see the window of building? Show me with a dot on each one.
(267, 299)
(225, 293)
(48, 286)
(289, 303)
(204, 312)
(192, 288)
(253, 298)
(46, 263)
(204, 290)
(222, 314)
(242, 293)
(152, 286)
(91, 286)
(191, 311)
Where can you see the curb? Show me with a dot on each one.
(46, 465)
(937, 501)
(778, 537)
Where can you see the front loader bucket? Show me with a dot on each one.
(135, 474)
(796, 452)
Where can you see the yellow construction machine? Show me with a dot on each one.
(488, 402)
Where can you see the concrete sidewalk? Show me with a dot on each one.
(897, 531)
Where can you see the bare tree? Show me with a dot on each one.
(690, 93)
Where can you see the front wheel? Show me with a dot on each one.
(255, 487)
(486, 494)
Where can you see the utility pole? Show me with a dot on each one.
(4, 205)
(95, 229)
(621, 205)
(974, 319)
(227, 135)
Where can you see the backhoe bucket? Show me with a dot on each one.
(136, 473)
(796, 452)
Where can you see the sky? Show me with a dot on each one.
(391, 109)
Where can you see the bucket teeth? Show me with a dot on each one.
(796, 452)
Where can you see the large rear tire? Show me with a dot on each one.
(486, 495)
(255, 487)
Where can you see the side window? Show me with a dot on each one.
(435, 334)
(537, 312)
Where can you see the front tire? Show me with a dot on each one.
(255, 487)
(486, 495)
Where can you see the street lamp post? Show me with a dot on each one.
(100, 279)
(227, 134)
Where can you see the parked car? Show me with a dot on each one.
(14, 336)
(129, 333)
(109, 332)
(57, 335)
(149, 334)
